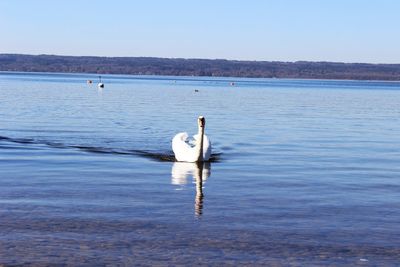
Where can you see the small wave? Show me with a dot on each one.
(157, 156)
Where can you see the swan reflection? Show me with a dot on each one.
(100, 91)
(181, 172)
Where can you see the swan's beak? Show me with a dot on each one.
(201, 121)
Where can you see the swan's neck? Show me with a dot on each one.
(199, 145)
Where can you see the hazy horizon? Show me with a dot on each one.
(196, 58)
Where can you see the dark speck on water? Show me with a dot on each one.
(303, 173)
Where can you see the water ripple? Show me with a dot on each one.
(157, 156)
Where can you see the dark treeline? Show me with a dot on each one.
(198, 67)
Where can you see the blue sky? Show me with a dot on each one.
(283, 30)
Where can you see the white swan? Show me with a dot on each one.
(100, 84)
(185, 151)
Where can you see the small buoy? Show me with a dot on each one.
(232, 84)
(89, 81)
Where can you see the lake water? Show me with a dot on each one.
(304, 173)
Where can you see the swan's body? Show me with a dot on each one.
(184, 151)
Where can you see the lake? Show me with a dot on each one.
(304, 172)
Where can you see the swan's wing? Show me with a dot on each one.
(182, 150)
(181, 136)
(206, 147)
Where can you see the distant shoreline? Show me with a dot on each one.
(149, 66)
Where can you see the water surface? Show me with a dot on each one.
(304, 172)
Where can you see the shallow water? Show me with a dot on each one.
(304, 172)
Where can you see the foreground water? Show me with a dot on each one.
(304, 172)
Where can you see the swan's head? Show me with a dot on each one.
(201, 121)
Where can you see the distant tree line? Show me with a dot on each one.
(199, 67)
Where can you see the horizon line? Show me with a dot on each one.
(211, 59)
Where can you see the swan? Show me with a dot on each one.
(185, 151)
(100, 84)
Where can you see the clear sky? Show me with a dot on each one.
(283, 30)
